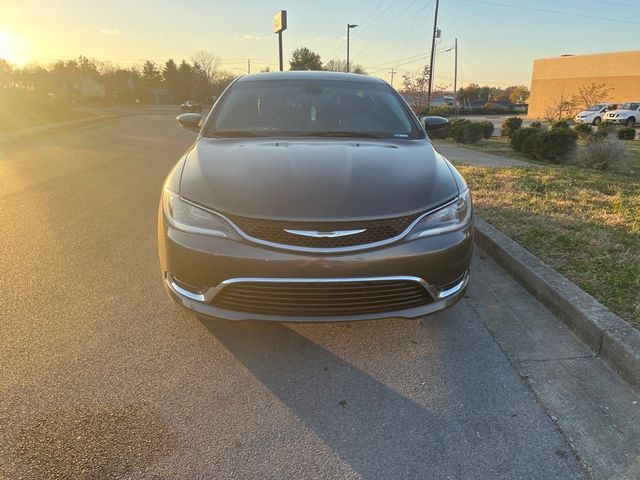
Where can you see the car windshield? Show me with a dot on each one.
(596, 108)
(629, 106)
(327, 108)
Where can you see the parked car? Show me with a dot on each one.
(314, 196)
(191, 106)
(628, 114)
(594, 114)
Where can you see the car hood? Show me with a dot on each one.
(311, 179)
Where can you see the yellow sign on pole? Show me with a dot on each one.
(280, 21)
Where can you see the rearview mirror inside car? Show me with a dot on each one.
(433, 123)
(190, 121)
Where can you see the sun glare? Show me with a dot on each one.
(10, 47)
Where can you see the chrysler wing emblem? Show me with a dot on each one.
(336, 234)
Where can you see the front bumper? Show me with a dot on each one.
(196, 268)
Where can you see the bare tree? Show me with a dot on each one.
(561, 108)
(592, 94)
(341, 66)
(208, 63)
(416, 85)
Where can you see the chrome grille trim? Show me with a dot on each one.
(283, 246)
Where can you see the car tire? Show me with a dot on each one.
(596, 121)
(631, 121)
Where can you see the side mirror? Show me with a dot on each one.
(190, 121)
(434, 123)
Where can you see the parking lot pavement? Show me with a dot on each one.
(101, 377)
(476, 158)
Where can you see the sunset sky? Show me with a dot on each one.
(498, 39)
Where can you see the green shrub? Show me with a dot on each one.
(458, 134)
(510, 125)
(605, 128)
(551, 146)
(473, 132)
(602, 153)
(560, 124)
(487, 128)
(583, 130)
(627, 133)
(529, 143)
(457, 129)
(538, 125)
(520, 135)
(459, 121)
(442, 132)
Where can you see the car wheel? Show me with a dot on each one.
(596, 121)
(630, 122)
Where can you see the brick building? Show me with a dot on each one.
(562, 76)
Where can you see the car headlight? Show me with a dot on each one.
(452, 216)
(189, 218)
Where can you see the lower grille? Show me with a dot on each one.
(323, 298)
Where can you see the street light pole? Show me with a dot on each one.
(349, 27)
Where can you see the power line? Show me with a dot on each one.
(557, 12)
(382, 39)
(391, 63)
(614, 3)
(414, 31)
(336, 50)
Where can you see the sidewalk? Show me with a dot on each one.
(16, 135)
(478, 159)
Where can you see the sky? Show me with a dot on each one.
(497, 39)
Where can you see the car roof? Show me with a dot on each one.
(310, 75)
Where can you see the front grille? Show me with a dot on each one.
(273, 231)
(317, 299)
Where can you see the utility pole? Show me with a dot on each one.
(455, 79)
(433, 51)
(349, 27)
(392, 72)
(249, 66)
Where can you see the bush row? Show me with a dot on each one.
(604, 129)
(554, 144)
(465, 131)
(539, 144)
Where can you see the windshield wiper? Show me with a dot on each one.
(340, 133)
(233, 134)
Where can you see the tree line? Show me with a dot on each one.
(200, 79)
(89, 81)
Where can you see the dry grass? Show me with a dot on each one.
(585, 224)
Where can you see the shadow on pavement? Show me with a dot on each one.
(466, 426)
(377, 431)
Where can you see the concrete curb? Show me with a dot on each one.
(608, 335)
(18, 135)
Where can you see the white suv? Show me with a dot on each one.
(594, 114)
(628, 113)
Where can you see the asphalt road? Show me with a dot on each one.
(102, 377)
